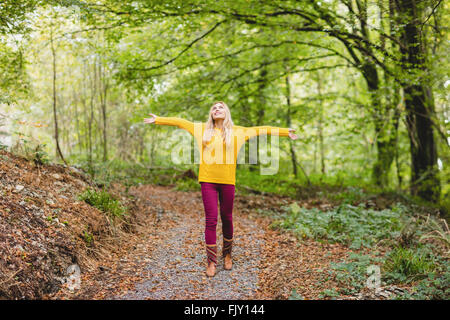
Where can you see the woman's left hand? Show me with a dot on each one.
(292, 135)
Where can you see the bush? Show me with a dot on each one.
(187, 185)
(103, 201)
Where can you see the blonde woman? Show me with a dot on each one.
(219, 141)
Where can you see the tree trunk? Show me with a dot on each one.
(104, 86)
(380, 112)
(55, 118)
(93, 89)
(320, 126)
(419, 104)
(77, 122)
(262, 102)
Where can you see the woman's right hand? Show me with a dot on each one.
(292, 135)
(150, 120)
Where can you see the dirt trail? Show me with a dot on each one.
(176, 269)
(169, 260)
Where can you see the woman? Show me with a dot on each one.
(219, 141)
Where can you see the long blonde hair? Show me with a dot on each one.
(227, 132)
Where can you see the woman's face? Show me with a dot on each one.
(218, 111)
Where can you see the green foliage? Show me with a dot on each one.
(14, 24)
(352, 274)
(31, 149)
(14, 14)
(348, 195)
(415, 259)
(406, 265)
(429, 274)
(355, 226)
(329, 293)
(103, 201)
(285, 184)
(187, 185)
(131, 174)
(438, 231)
(335, 187)
(88, 238)
(295, 295)
(436, 285)
(40, 155)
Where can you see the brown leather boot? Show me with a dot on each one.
(211, 253)
(211, 270)
(226, 252)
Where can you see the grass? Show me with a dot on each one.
(187, 185)
(103, 201)
(88, 238)
(436, 285)
(404, 265)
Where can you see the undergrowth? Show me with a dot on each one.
(354, 226)
(103, 201)
(415, 255)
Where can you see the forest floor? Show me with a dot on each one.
(168, 259)
(155, 252)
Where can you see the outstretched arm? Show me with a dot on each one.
(171, 121)
(256, 131)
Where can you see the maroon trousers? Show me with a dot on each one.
(224, 194)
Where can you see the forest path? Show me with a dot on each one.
(169, 260)
(176, 267)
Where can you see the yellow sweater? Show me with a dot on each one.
(217, 162)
